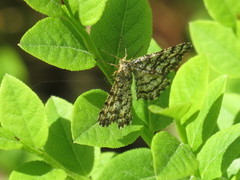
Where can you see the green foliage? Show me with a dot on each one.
(8, 140)
(219, 152)
(124, 29)
(90, 11)
(219, 43)
(168, 159)
(59, 46)
(49, 8)
(225, 12)
(59, 115)
(203, 126)
(67, 138)
(134, 164)
(172, 159)
(129, 30)
(85, 127)
(37, 169)
(229, 110)
(22, 113)
(190, 89)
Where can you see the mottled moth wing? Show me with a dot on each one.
(148, 86)
(117, 107)
(150, 71)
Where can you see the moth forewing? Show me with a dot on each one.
(117, 107)
(150, 73)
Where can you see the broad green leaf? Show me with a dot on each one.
(100, 162)
(201, 128)
(77, 158)
(154, 47)
(229, 113)
(22, 113)
(220, 45)
(226, 12)
(238, 29)
(47, 7)
(125, 28)
(74, 7)
(172, 159)
(185, 88)
(11, 63)
(90, 11)
(86, 129)
(192, 178)
(8, 141)
(176, 112)
(153, 122)
(58, 108)
(189, 86)
(234, 168)
(132, 165)
(37, 170)
(219, 152)
(56, 42)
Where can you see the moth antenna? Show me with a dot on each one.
(125, 56)
(112, 64)
(110, 54)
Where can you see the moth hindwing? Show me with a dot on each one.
(150, 73)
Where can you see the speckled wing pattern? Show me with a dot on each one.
(150, 73)
(117, 107)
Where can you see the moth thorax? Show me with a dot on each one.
(124, 65)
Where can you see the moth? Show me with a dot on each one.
(150, 73)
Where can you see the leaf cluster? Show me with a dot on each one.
(67, 137)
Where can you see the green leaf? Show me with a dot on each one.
(59, 45)
(22, 113)
(238, 29)
(229, 113)
(100, 163)
(188, 87)
(77, 158)
(154, 47)
(37, 170)
(8, 140)
(90, 11)
(86, 129)
(50, 8)
(153, 122)
(172, 159)
(11, 63)
(219, 152)
(124, 28)
(74, 7)
(58, 108)
(234, 168)
(133, 165)
(220, 45)
(202, 127)
(226, 12)
(176, 112)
